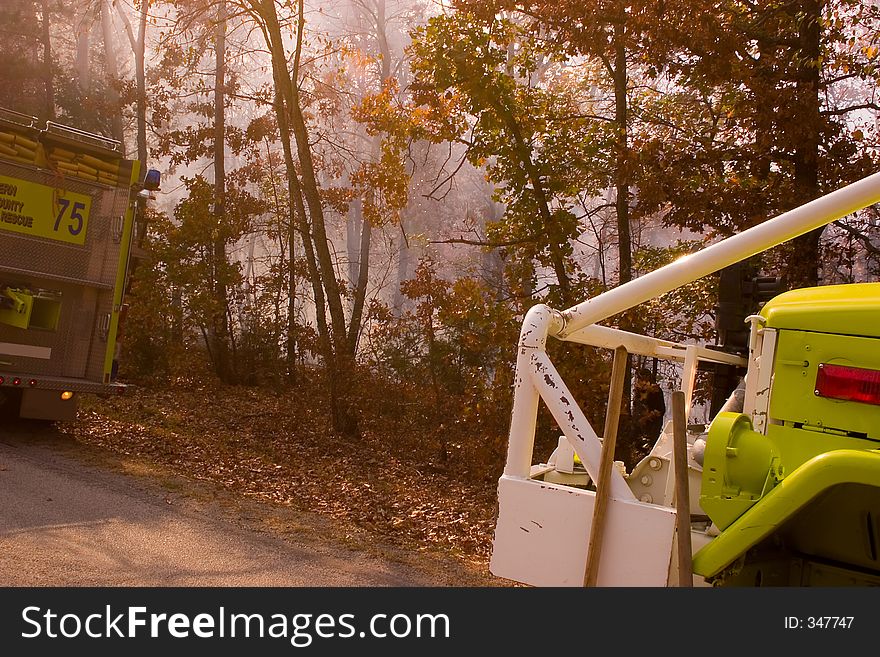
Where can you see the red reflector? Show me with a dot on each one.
(849, 383)
(32, 382)
(16, 381)
(2, 380)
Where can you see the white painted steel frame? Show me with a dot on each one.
(537, 378)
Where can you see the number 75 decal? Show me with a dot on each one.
(75, 221)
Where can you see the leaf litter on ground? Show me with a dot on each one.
(276, 448)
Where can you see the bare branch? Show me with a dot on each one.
(483, 243)
(860, 236)
(851, 108)
(127, 25)
(446, 180)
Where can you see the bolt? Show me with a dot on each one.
(646, 480)
(646, 498)
(654, 463)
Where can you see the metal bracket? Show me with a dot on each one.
(117, 224)
(104, 327)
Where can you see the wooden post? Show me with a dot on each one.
(603, 485)
(682, 494)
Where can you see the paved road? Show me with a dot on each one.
(65, 522)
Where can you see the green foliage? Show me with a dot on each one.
(449, 362)
(22, 75)
(537, 145)
(769, 113)
(155, 336)
(383, 185)
(686, 313)
(173, 296)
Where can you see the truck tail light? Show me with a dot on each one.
(848, 383)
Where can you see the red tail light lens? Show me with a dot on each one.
(848, 383)
(16, 381)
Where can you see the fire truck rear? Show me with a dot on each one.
(68, 206)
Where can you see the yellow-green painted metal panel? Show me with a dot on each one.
(793, 398)
(845, 309)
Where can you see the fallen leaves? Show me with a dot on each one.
(277, 448)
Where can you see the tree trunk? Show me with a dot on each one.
(403, 258)
(557, 259)
(314, 237)
(291, 298)
(111, 72)
(298, 216)
(621, 205)
(360, 291)
(621, 173)
(46, 42)
(315, 207)
(803, 265)
(138, 47)
(176, 317)
(83, 71)
(219, 323)
(140, 79)
(341, 371)
(491, 263)
(352, 240)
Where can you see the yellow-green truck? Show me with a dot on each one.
(68, 201)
